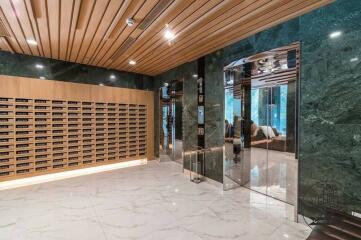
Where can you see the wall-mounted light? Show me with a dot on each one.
(355, 59)
(39, 66)
(42, 77)
(101, 84)
(335, 34)
(132, 62)
(31, 42)
(168, 33)
(195, 75)
(112, 76)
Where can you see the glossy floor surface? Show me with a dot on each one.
(153, 201)
(270, 172)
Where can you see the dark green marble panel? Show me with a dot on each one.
(24, 66)
(330, 123)
(189, 113)
(330, 98)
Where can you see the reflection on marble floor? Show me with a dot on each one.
(277, 177)
(177, 153)
(153, 201)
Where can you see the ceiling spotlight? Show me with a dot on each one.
(354, 59)
(31, 42)
(168, 33)
(112, 76)
(132, 62)
(39, 66)
(335, 34)
(42, 77)
(130, 22)
(101, 84)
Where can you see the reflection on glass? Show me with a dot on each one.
(171, 144)
(260, 123)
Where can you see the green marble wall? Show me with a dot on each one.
(189, 117)
(330, 100)
(24, 66)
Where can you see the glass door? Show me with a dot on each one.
(171, 109)
(282, 163)
(260, 124)
(166, 125)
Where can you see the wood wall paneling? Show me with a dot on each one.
(50, 126)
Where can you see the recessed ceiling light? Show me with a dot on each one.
(31, 42)
(39, 66)
(112, 76)
(101, 84)
(354, 59)
(168, 33)
(335, 34)
(42, 77)
(132, 62)
(195, 75)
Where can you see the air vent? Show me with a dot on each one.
(3, 31)
(124, 47)
(154, 13)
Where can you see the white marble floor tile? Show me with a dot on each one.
(153, 201)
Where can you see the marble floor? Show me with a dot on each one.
(266, 171)
(153, 201)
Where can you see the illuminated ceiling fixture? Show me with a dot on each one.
(39, 66)
(132, 62)
(31, 42)
(335, 34)
(130, 21)
(168, 33)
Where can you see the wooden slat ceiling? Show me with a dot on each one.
(94, 32)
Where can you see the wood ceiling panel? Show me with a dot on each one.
(54, 27)
(198, 9)
(24, 21)
(153, 35)
(224, 39)
(114, 8)
(95, 31)
(111, 38)
(121, 37)
(219, 20)
(11, 18)
(66, 15)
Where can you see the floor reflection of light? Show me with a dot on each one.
(68, 174)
